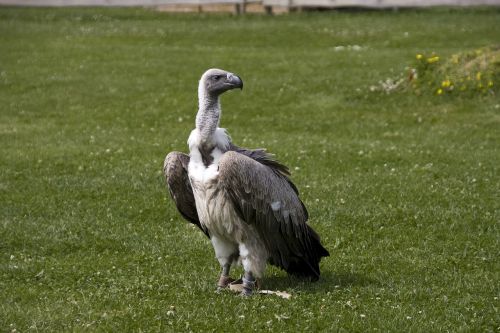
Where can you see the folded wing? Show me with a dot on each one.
(175, 169)
(263, 196)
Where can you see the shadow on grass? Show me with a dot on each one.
(328, 281)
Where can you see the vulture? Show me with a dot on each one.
(243, 200)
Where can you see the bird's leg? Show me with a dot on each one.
(224, 279)
(225, 252)
(248, 284)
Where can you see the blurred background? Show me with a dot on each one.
(242, 6)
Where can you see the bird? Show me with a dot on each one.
(242, 199)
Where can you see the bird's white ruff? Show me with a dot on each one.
(230, 235)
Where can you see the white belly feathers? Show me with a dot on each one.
(214, 209)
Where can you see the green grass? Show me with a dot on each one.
(404, 189)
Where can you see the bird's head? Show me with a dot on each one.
(217, 81)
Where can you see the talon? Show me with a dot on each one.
(248, 287)
(246, 293)
(223, 282)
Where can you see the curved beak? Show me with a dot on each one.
(234, 81)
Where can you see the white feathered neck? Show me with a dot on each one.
(207, 131)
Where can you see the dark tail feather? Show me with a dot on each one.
(303, 269)
(316, 244)
(307, 266)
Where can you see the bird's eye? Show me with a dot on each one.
(217, 77)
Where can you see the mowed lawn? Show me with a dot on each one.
(403, 189)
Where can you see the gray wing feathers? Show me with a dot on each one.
(265, 197)
(263, 157)
(175, 170)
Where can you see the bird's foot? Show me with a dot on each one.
(224, 282)
(248, 287)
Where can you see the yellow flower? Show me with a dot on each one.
(490, 84)
(454, 58)
(439, 91)
(433, 59)
(419, 56)
(478, 76)
(446, 83)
